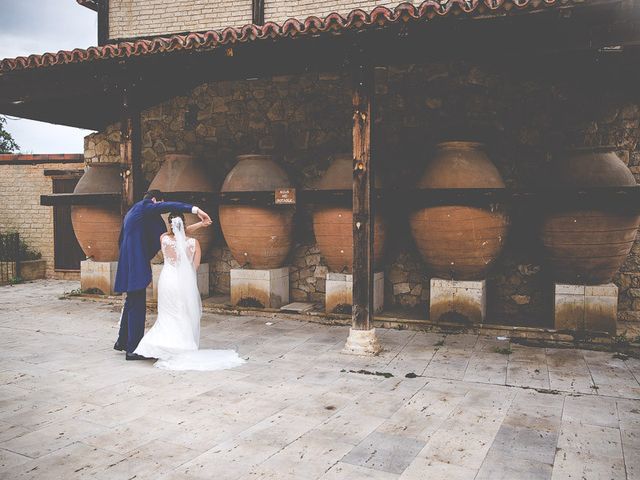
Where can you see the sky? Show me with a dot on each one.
(39, 26)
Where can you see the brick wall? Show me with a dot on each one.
(304, 119)
(20, 210)
(135, 18)
(278, 10)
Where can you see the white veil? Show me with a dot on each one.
(187, 279)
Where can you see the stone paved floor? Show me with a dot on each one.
(71, 407)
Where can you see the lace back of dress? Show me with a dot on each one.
(188, 293)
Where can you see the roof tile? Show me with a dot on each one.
(332, 23)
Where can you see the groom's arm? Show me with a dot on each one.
(166, 207)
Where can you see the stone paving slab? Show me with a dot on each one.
(385, 452)
(472, 407)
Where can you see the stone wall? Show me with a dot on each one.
(103, 146)
(21, 187)
(134, 18)
(302, 120)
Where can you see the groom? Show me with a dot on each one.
(139, 243)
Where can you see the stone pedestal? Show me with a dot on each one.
(362, 342)
(586, 307)
(203, 281)
(339, 292)
(260, 288)
(458, 301)
(98, 275)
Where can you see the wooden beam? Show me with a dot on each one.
(257, 12)
(38, 162)
(618, 198)
(75, 94)
(363, 93)
(80, 199)
(103, 22)
(63, 173)
(411, 198)
(130, 151)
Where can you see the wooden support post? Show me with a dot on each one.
(103, 22)
(257, 12)
(362, 182)
(362, 339)
(130, 152)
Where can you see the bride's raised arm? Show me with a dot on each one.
(194, 227)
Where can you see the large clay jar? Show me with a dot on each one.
(588, 246)
(459, 242)
(184, 173)
(258, 237)
(97, 228)
(333, 226)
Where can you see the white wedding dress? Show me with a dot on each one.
(174, 338)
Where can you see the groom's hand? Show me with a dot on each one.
(204, 217)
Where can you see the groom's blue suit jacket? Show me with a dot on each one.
(140, 241)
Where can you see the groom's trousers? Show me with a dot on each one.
(133, 319)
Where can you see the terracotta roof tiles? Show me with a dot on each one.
(91, 4)
(332, 23)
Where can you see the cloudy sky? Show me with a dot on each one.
(38, 26)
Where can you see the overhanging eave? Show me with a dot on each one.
(88, 93)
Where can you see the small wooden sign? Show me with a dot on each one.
(285, 196)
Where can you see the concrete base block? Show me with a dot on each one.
(98, 275)
(260, 288)
(362, 342)
(458, 301)
(339, 292)
(586, 307)
(33, 269)
(203, 281)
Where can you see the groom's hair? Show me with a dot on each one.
(157, 194)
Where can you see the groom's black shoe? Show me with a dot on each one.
(119, 347)
(135, 356)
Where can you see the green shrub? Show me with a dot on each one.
(8, 249)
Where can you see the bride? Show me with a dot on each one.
(175, 337)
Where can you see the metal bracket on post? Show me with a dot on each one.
(130, 150)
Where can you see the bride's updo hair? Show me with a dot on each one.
(173, 215)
